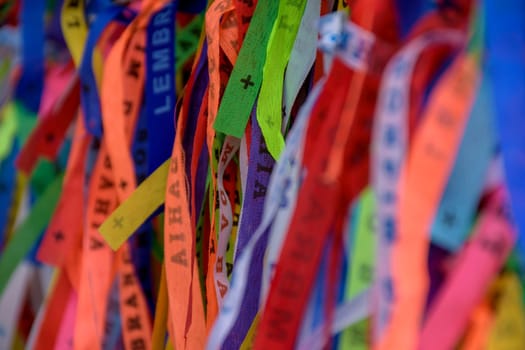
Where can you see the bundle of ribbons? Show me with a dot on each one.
(238, 174)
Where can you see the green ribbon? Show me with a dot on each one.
(246, 77)
(27, 233)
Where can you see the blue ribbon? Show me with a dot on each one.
(29, 88)
(160, 84)
(504, 46)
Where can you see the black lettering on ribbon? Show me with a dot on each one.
(138, 344)
(174, 215)
(259, 190)
(128, 279)
(105, 183)
(95, 244)
(107, 162)
(133, 69)
(279, 318)
(128, 105)
(176, 237)
(123, 184)
(174, 189)
(133, 323)
(132, 301)
(291, 285)
(180, 258)
(102, 206)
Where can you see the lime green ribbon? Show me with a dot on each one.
(361, 271)
(269, 107)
